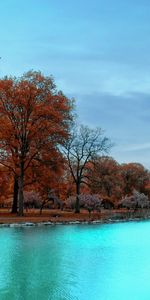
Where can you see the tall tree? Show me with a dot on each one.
(34, 120)
(104, 177)
(83, 145)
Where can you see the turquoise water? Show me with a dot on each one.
(76, 262)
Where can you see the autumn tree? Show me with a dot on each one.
(5, 185)
(34, 120)
(134, 176)
(83, 145)
(104, 177)
(45, 176)
(66, 183)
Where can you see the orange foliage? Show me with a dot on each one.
(34, 121)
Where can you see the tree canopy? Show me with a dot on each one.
(35, 119)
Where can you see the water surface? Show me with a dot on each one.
(76, 262)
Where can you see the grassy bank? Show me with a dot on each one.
(57, 216)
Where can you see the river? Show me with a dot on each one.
(76, 262)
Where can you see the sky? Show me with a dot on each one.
(98, 53)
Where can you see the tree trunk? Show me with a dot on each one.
(89, 214)
(77, 204)
(42, 206)
(15, 195)
(21, 182)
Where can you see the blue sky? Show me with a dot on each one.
(98, 52)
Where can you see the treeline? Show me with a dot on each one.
(43, 152)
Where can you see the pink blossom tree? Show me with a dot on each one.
(135, 201)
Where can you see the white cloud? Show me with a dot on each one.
(134, 147)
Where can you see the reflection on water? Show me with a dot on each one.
(82, 262)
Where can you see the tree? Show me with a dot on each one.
(91, 203)
(32, 199)
(87, 201)
(104, 177)
(5, 185)
(134, 176)
(83, 145)
(34, 121)
(135, 201)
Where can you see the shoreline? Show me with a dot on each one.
(57, 217)
(75, 222)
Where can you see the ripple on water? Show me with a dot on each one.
(76, 262)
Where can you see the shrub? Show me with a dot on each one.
(70, 202)
(32, 200)
(87, 201)
(91, 202)
(137, 200)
